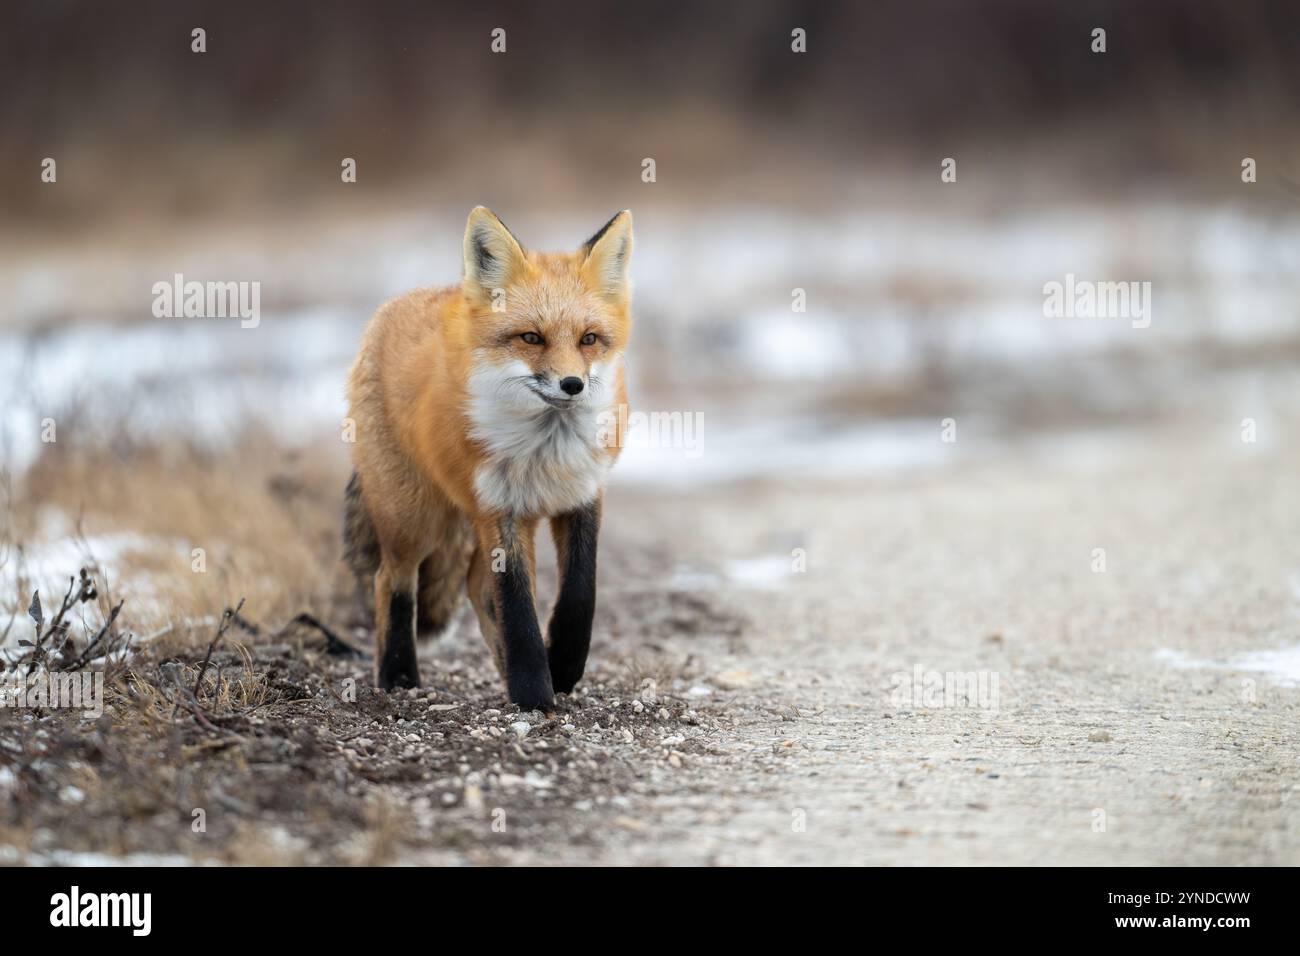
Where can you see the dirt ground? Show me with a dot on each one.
(751, 699)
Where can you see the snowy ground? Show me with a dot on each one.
(911, 319)
(779, 566)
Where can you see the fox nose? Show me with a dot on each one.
(571, 385)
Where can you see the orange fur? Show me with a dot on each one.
(442, 390)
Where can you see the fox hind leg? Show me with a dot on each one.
(395, 591)
(478, 584)
(441, 574)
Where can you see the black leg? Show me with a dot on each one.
(528, 680)
(397, 666)
(569, 630)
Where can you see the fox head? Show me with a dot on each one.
(547, 330)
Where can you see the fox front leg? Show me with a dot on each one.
(507, 544)
(569, 631)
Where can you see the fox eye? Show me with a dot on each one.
(532, 338)
(588, 339)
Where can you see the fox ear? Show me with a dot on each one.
(492, 253)
(608, 253)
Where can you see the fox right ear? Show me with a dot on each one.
(607, 255)
(492, 253)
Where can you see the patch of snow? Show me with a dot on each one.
(46, 563)
(761, 573)
(797, 449)
(764, 572)
(90, 859)
(1282, 664)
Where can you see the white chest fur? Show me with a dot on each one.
(539, 461)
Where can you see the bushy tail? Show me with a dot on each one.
(360, 544)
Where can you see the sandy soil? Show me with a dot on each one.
(740, 711)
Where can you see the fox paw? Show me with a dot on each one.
(390, 678)
(531, 692)
(565, 676)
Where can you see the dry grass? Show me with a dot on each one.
(193, 532)
(219, 691)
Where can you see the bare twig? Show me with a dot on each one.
(86, 592)
(334, 644)
(244, 624)
(57, 627)
(226, 618)
(85, 658)
(4, 635)
(184, 698)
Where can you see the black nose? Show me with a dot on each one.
(571, 385)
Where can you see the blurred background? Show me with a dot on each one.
(775, 171)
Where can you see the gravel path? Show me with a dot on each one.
(1103, 747)
(951, 678)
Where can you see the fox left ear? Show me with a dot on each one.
(608, 254)
(493, 255)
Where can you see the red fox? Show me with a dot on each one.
(479, 411)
